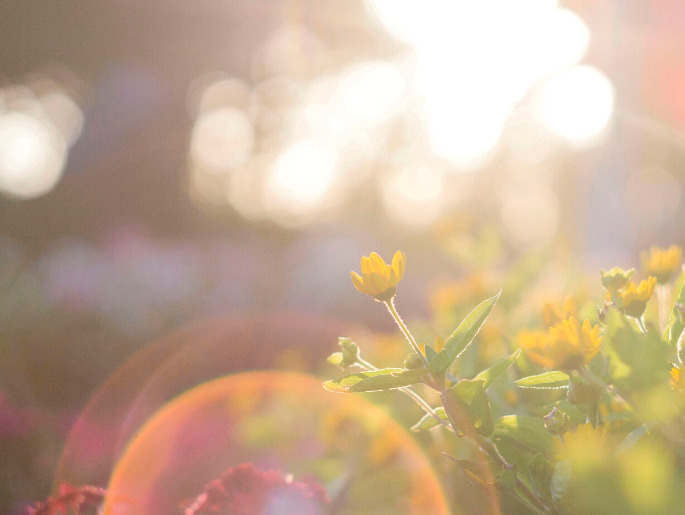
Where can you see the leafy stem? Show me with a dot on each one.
(411, 394)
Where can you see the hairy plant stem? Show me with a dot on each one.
(641, 325)
(390, 304)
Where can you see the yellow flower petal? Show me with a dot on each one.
(398, 264)
(379, 279)
(377, 263)
(565, 346)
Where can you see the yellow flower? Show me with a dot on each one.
(677, 379)
(566, 346)
(378, 279)
(553, 313)
(635, 297)
(662, 263)
(585, 441)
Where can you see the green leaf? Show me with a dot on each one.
(440, 362)
(676, 325)
(468, 408)
(428, 421)
(541, 471)
(632, 438)
(480, 473)
(547, 380)
(429, 352)
(469, 327)
(385, 379)
(561, 479)
(507, 480)
(638, 361)
(528, 433)
(497, 370)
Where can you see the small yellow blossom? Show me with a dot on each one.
(378, 279)
(662, 263)
(553, 313)
(566, 346)
(635, 297)
(585, 441)
(677, 379)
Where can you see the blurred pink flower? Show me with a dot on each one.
(246, 490)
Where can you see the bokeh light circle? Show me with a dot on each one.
(222, 139)
(577, 104)
(32, 155)
(368, 462)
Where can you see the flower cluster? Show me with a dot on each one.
(566, 346)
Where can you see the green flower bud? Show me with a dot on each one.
(580, 393)
(348, 356)
(413, 361)
(557, 422)
(616, 278)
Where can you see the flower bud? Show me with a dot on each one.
(616, 278)
(580, 393)
(348, 356)
(557, 422)
(413, 361)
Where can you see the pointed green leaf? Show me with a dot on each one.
(469, 327)
(385, 379)
(528, 433)
(428, 421)
(547, 380)
(389, 382)
(497, 369)
(343, 384)
(440, 362)
(468, 408)
(429, 352)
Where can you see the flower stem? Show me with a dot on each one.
(405, 330)
(641, 325)
(663, 294)
(487, 446)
